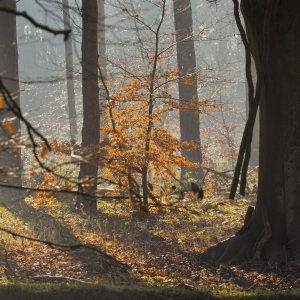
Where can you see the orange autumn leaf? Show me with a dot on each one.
(1, 101)
(16, 149)
(44, 152)
(9, 127)
(32, 173)
(5, 174)
(109, 161)
(67, 184)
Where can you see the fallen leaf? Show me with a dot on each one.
(67, 184)
(9, 127)
(44, 152)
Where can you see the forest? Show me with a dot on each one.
(149, 149)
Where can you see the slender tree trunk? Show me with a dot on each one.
(273, 230)
(69, 73)
(102, 59)
(255, 138)
(186, 60)
(90, 93)
(10, 162)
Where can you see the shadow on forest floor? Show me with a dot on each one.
(21, 264)
(109, 292)
(160, 250)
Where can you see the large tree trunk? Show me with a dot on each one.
(186, 60)
(90, 93)
(10, 162)
(278, 200)
(69, 73)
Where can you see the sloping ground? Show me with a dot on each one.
(160, 250)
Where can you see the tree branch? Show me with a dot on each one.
(62, 247)
(24, 14)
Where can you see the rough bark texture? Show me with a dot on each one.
(90, 93)
(186, 60)
(69, 73)
(9, 162)
(279, 155)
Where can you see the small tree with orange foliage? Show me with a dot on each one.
(138, 143)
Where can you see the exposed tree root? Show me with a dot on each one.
(251, 243)
(275, 254)
(267, 235)
(234, 249)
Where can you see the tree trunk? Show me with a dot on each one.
(90, 93)
(102, 59)
(278, 200)
(186, 60)
(10, 162)
(255, 138)
(69, 73)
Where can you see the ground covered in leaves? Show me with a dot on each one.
(162, 249)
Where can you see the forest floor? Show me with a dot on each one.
(153, 257)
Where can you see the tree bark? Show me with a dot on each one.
(90, 93)
(278, 197)
(10, 161)
(186, 60)
(69, 73)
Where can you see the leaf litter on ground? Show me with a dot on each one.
(162, 249)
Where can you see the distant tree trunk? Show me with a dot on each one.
(9, 161)
(90, 93)
(186, 60)
(102, 58)
(255, 138)
(69, 71)
(273, 230)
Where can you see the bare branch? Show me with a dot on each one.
(24, 14)
(62, 247)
